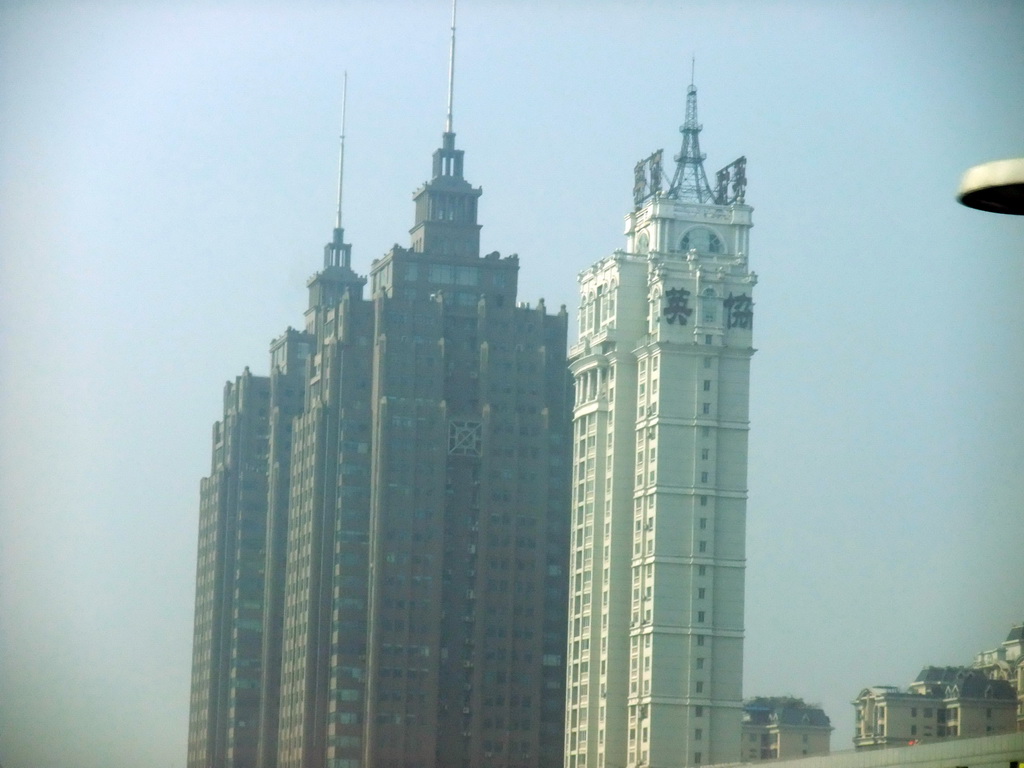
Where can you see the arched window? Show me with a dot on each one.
(643, 243)
(703, 240)
(709, 306)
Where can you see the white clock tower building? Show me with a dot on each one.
(662, 371)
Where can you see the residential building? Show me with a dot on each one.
(226, 652)
(783, 727)
(407, 499)
(1007, 663)
(424, 593)
(943, 702)
(655, 653)
(289, 357)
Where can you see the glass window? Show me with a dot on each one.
(467, 275)
(441, 273)
(703, 240)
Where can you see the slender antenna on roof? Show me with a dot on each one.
(338, 253)
(693, 66)
(451, 74)
(341, 153)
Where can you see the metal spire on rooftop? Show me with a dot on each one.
(447, 159)
(338, 253)
(451, 74)
(690, 182)
(341, 153)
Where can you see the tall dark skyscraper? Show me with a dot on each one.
(224, 706)
(394, 591)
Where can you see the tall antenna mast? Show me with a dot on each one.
(451, 74)
(338, 253)
(341, 153)
(690, 182)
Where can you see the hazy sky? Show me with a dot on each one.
(167, 181)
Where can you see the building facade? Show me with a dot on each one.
(227, 650)
(390, 590)
(943, 702)
(1006, 662)
(655, 652)
(289, 357)
(780, 728)
(948, 702)
(427, 540)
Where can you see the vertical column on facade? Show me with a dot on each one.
(584, 631)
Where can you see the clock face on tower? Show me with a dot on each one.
(703, 240)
